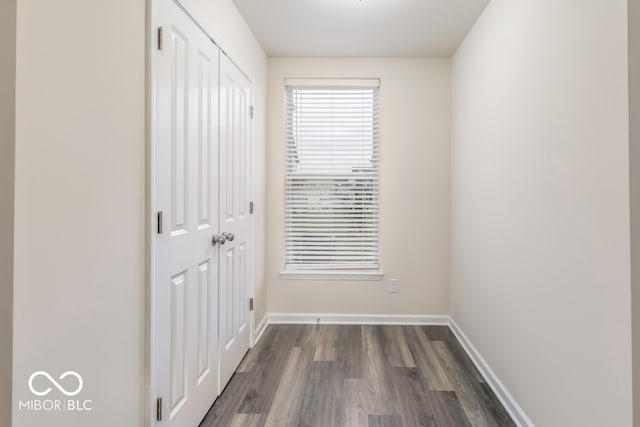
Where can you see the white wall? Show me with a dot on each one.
(540, 206)
(7, 163)
(80, 205)
(634, 105)
(80, 198)
(414, 139)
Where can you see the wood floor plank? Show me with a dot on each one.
(271, 362)
(493, 405)
(384, 421)
(438, 333)
(427, 359)
(349, 351)
(308, 336)
(356, 405)
(448, 410)
(324, 396)
(465, 388)
(251, 361)
(377, 375)
(326, 344)
(357, 376)
(396, 348)
(248, 420)
(414, 407)
(286, 409)
(226, 406)
(444, 334)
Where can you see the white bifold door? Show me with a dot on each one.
(203, 233)
(235, 173)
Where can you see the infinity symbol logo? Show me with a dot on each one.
(55, 383)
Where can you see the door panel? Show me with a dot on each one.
(179, 143)
(186, 191)
(205, 315)
(178, 338)
(242, 315)
(207, 141)
(235, 149)
(226, 295)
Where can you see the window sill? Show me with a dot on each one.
(332, 275)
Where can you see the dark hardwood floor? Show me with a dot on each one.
(350, 376)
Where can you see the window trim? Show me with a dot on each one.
(329, 82)
(343, 272)
(309, 274)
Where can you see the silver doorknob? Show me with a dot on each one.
(218, 240)
(228, 236)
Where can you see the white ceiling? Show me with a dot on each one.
(360, 27)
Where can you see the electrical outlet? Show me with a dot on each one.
(393, 286)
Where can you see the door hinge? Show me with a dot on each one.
(160, 39)
(250, 304)
(159, 409)
(159, 222)
(251, 112)
(251, 207)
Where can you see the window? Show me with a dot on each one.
(332, 176)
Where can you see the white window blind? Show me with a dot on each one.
(332, 178)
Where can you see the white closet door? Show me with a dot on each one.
(235, 167)
(186, 268)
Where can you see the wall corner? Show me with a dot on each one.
(8, 15)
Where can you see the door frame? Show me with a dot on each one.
(150, 198)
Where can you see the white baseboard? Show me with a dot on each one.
(511, 406)
(357, 319)
(260, 328)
